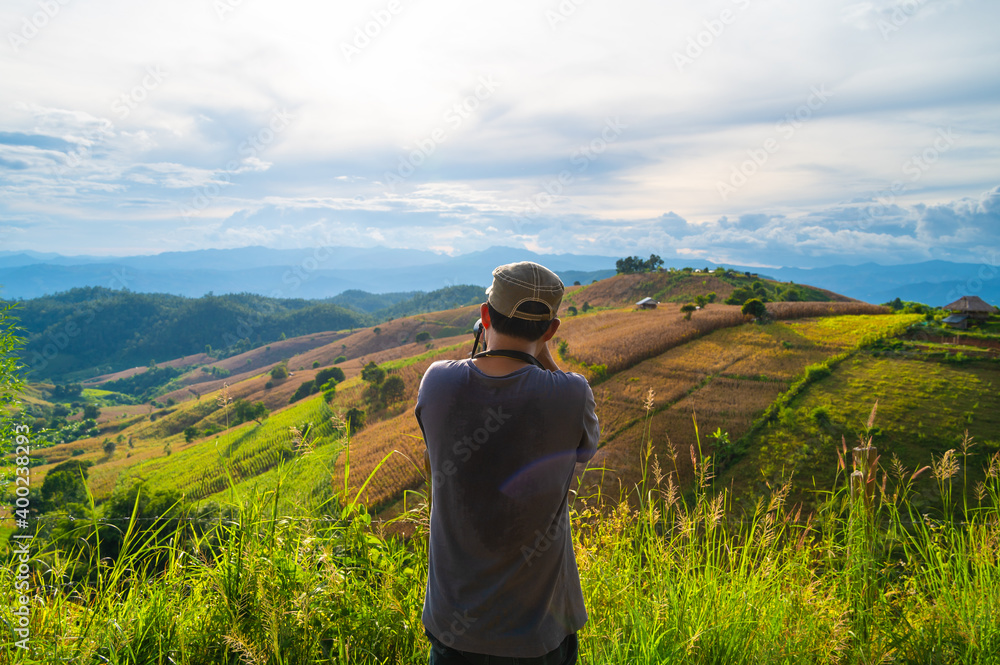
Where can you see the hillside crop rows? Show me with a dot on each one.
(620, 338)
(725, 380)
(925, 407)
(201, 469)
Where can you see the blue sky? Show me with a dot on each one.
(743, 131)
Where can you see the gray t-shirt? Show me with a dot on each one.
(502, 576)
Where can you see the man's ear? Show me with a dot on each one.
(553, 327)
(484, 314)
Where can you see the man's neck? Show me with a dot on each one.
(499, 365)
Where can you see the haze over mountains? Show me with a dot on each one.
(323, 272)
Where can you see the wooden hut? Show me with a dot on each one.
(968, 309)
(646, 303)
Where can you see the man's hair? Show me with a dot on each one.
(520, 328)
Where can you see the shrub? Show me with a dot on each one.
(339, 359)
(305, 389)
(392, 389)
(280, 372)
(373, 374)
(334, 374)
(423, 336)
(755, 308)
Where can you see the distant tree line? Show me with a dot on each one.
(634, 264)
(113, 330)
(109, 330)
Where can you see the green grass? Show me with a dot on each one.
(925, 406)
(244, 451)
(666, 582)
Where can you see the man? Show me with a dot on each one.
(504, 431)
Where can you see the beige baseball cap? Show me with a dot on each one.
(517, 283)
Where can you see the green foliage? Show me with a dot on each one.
(89, 327)
(109, 447)
(598, 372)
(145, 384)
(91, 411)
(422, 336)
(448, 297)
(339, 359)
(65, 484)
(572, 310)
(334, 374)
(279, 372)
(754, 308)
(355, 419)
(191, 433)
(392, 389)
(688, 309)
(305, 389)
(244, 411)
(563, 348)
(633, 264)
(586, 307)
(67, 392)
(373, 374)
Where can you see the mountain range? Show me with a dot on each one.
(324, 272)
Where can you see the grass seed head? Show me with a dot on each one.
(946, 467)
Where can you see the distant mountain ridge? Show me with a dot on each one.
(325, 272)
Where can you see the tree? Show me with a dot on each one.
(64, 484)
(654, 263)
(373, 374)
(630, 265)
(91, 411)
(330, 374)
(754, 308)
(392, 389)
(280, 372)
(423, 336)
(244, 411)
(339, 359)
(377, 330)
(355, 419)
(571, 310)
(586, 307)
(305, 389)
(688, 308)
(700, 301)
(190, 433)
(109, 447)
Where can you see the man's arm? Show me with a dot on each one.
(545, 357)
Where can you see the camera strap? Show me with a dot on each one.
(516, 355)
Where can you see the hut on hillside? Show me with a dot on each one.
(646, 303)
(968, 309)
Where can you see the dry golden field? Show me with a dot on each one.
(620, 338)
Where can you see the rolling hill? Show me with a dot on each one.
(663, 383)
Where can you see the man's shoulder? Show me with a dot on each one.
(441, 370)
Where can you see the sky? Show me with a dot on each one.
(739, 131)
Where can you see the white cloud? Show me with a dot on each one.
(190, 129)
